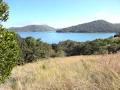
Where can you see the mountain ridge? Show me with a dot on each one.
(89, 27)
(94, 26)
(33, 28)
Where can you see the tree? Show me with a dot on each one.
(32, 49)
(4, 13)
(114, 48)
(58, 50)
(9, 50)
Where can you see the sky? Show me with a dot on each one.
(61, 13)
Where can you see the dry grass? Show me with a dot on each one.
(67, 73)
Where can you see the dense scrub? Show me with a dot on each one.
(32, 49)
(9, 52)
(98, 46)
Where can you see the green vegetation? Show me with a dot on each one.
(98, 46)
(16, 50)
(32, 49)
(4, 13)
(9, 52)
(8, 45)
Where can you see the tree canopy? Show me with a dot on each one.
(9, 49)
(4, 12)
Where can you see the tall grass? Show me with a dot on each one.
(67, 73)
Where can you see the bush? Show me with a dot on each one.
(32, 49)
(58, 50)
(9, 52)
(114, 48)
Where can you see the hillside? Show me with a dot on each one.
(33, 28)
(67, 73)
(94, 26)
(90, 27)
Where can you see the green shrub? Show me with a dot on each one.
(32, 49)
(9, 52)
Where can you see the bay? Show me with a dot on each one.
(54, 37)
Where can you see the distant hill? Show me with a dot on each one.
(94, 26)
(33, 28)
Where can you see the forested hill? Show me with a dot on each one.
(33, 28)
(90, 27)
(94, 26)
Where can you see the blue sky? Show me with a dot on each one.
(61, 13)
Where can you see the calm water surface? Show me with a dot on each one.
(54, 37)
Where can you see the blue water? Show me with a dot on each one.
(54, 37)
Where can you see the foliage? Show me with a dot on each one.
(32, 49)
(58, 51)
(3, 11)
(98, 46)
(9, 52)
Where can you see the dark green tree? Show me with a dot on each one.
(9, 50)
(4, 13)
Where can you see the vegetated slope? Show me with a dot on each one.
(94, 26)
(67, 73)
(33, 28)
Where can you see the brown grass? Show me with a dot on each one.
(98, 72)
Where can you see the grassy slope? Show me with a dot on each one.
(67, 73)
